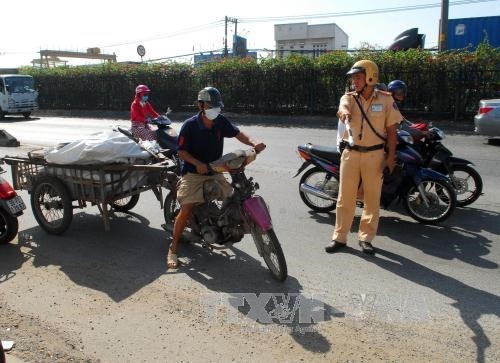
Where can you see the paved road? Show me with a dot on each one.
(444, 278)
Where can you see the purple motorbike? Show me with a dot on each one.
(216, 223)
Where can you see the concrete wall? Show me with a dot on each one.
(309, 39)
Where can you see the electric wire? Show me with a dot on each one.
(357, 12)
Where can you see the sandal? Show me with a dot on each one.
(172, 261)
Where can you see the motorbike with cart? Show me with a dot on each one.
(57, 189)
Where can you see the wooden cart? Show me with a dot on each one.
(58, 189)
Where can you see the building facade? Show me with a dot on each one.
(312, 40)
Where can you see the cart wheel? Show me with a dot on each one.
(51, 204)
(125, 204)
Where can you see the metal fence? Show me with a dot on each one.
(452, 94)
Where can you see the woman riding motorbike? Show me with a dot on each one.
(140, 111)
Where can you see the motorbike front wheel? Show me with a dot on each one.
(8, 226)
(324, 182)
(171, 208)
(441, 201)
(467, 183)
(268, 244)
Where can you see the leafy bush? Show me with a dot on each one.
(448, 83)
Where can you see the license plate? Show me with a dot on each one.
(16, 204)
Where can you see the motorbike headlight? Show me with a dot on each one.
(436, 133)
(441, 134)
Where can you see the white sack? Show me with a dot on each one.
(99, 148)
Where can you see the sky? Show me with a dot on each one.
(172, 28)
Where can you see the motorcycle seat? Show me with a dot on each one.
(325, 152)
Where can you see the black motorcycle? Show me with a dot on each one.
(165, 133)
(427, 195)
(465, 179)
(167, 137)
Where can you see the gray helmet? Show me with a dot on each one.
(211, 96)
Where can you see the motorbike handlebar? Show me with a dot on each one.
(159, 121)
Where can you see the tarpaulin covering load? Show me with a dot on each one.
(99, 148)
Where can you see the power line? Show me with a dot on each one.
(169, 35)
(358, 12)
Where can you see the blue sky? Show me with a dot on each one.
(159, 25)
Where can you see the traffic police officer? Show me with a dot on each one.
(373, 117)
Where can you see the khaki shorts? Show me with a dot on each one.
(190, 188)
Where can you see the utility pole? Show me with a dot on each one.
(443, 25)
(225, 37)
(235, 22)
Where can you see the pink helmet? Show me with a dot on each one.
(142, 88)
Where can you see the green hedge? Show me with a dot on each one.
(447, 84)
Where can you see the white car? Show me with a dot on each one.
(487, 119)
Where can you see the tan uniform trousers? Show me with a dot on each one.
(368, 167)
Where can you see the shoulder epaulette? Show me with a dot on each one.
(385, 93)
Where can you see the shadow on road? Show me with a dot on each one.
(117, 263)
(471, 303)
(15, 119)
(443, 242)
(11, 259)
(462, 242)
(493, 142)
(247, 286)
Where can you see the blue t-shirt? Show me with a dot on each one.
(202, 143)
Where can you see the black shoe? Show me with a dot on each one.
(334, 246)
(367, 247)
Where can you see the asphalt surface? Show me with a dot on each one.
(445, 275)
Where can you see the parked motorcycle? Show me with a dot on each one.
(465, 179)
(11, 207)
(215, 223)
(427, 195)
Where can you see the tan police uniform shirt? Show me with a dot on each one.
(380, 109)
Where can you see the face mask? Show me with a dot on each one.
(145, 98)
(212, 113)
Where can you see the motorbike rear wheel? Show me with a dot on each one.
(268, 244)
(467, 183)
(125, 204)
(325, 182)
(8, 227)
(439, 208)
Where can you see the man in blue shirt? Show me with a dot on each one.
(201, 141)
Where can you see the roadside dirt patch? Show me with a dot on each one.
(35, 341)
